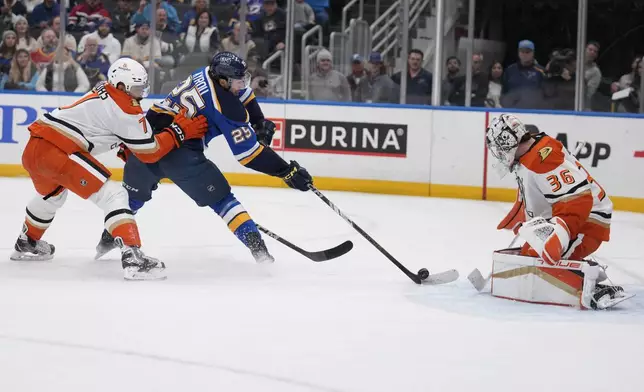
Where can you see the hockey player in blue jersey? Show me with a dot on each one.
(219, 92)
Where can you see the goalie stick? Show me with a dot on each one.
(422, 277)
(475, 277)
(322, 255)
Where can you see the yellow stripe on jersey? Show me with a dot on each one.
(250, 98)
(252, 156)
(237, 221)
(157, 109)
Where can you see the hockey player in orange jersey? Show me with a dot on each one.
(60, 156)
(555, 191)
(561, 211)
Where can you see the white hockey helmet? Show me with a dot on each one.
(503, 136)
(133, 76)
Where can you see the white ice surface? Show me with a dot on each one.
(222, 323)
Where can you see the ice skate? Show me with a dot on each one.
(138, 266)
(258, 248)
(606, 296)
(105, 245)
(33, 250)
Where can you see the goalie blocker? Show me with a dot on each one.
(565, 283)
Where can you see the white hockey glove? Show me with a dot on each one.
(548, 237)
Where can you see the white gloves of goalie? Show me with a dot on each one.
(548, 237)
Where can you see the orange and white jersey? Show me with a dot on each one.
(98, 122)
(553, 183)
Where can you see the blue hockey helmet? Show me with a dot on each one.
(230, 67)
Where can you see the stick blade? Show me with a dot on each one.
(441, 277)
(332, 253)
(476, 278)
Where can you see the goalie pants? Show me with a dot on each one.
(585, 244)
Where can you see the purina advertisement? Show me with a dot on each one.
(428, 152)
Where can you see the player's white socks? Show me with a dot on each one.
(112, 198)
(40, 213)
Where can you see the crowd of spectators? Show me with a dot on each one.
(189, 32)
(524, 84)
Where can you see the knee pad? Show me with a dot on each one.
(112, 196)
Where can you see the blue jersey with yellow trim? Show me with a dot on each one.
(226, 113)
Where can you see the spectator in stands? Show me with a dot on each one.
(559, 85)
(259, 78)
(419, 80)
(45, 53)
(626, 80)
(168, 39)
(7, 50)
(592, 75)
(253, 10)
(358, 80)
(202, 37)
(632, 103)
(122, 17)
(25, 40)
(271, 26)
(94, 63)
(383, 89)
(143, 14)
(74, 79)
(232, 43)
(320, 6)
(525, 73)
(453, 65)
(54, 24)
(327, 84)
(138, 46)
(23, 74)
(303, 16)
(191, 16)
(495, 85)
(31, 4)
(9, 13)
(86, 16)
(107, 44)
(480, 84)
(43, 13)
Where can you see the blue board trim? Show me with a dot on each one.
(381, 105)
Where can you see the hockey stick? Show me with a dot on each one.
(322, 255)
(423, 275)
(475, 277)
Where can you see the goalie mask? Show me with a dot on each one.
(502, 138)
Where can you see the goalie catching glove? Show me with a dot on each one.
(185, 128)
(296, 177)
(548, 237)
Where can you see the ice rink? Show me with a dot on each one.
(220, 322)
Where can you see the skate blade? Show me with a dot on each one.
(607, 304)
(133, 274)
(19, 256)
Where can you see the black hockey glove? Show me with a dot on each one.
(265, 131)
(296, 177)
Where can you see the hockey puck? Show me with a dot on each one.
(423, 273)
